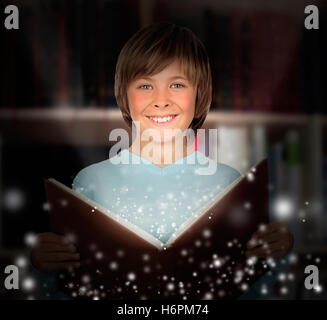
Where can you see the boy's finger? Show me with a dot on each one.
(55, 266)
(259, 252)
(278, 246)
(262, 231)
(270, 238)
(53, 237)
(60, 256)
(54, 247)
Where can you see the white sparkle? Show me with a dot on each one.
(283, 208)
(113, 265)
(131, 276)
(13, 199)
(28, 284)
(21, 262)
(30, 239)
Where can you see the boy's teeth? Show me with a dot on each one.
(162, 119)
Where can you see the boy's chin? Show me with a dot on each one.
(162, 141)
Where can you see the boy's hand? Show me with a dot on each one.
(52, 252)
(272, 240)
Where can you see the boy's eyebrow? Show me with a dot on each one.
(171, 78)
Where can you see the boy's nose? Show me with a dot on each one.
(161, 105)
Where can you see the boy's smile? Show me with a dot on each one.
(162, 120)
(165, 100)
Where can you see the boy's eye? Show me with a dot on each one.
(145, 85)
(178, 84)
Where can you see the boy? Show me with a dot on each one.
(162, 83)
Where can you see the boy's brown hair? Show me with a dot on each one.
(150, 50)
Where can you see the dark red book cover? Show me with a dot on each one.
(207, 259)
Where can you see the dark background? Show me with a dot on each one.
(63, 57)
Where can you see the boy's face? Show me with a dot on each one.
(163, 101)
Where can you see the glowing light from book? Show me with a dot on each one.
(13, 199)
(217, 263)
(99, 255)
(250, 176)
(70, 237)
(146, 269)
(282, 277)
(113, 265)
(82, 290)
(247, 205)
(271, 262)
(28, 284)
(293, 258)
(86, 278)
(208, 296)
(120, 253)
(251, 261)
(206, 233)
(170, 286)
(146, 257)
(30, 239)
(131, 276)
(170, 195)
(221, 293)
(283, 208)
(318, 288)
(46, 206)
(198, 243)
(244, 286)
(283, 290)
(63, 202)
(21, 262)
(264, 289)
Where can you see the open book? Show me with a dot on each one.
(205, 254)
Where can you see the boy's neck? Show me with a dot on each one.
(161, 154)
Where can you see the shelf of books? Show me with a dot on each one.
(292, 143)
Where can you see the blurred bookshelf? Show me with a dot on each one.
(92, 126)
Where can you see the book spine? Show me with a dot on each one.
(276, 178)
(314, 182)
(62, 76)
(225, 61)
(237, 63)
(36, 56)
(258, 144)
(325, 197)
(74, 35)
(8, 62)
(245, 62)
(260, 57)
(294, 181)
(233, 147)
